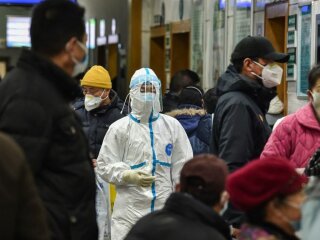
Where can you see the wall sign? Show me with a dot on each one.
(291, 72)
(292, 22)
(292, 36)
(292, 54)
(305, 50)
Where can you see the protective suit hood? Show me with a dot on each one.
(145, 105)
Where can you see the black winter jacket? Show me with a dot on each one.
(35, 111)
(96, 122)
(182, 218)
(240, 127)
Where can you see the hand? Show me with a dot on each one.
(139, 178)
(313, 167)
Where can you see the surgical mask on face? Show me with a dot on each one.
(271, 75)
(147, 97)
(316, 100)
(91, 102)
(80, 66)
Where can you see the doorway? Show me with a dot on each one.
(157, 54)
(276, 28)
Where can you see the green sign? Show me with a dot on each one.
(290, 72)
(292, 22)
(291, 38)
(292, 54)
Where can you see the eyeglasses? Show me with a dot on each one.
(147, 87)
(91, 90)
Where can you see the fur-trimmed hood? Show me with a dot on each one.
(187, 111)
(189, 116)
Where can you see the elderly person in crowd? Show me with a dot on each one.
(270, 192)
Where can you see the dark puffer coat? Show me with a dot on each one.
(35, 110)
(182, 218)
(197, 124)
(240, 126)
(96, 122)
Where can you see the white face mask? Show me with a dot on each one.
(80, 66)
(91, 102)
(147, 97)
(271, 75)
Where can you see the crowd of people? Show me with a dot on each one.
(188, 165)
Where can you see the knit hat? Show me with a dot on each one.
(211, 170)
(97, 76)
(262, 180)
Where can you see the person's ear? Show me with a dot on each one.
(310, 98)
(71, 44)
(247, 65)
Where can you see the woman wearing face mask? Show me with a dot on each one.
(270, 192)
(297, 136)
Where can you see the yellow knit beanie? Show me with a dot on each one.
(97, 76)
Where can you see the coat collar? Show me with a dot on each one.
(196, 211)
(307, 117)
(66, 85)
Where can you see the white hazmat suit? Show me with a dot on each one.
(144, 141)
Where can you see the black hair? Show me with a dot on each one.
(196, 187)
(210, 99)
(313, 77)
(178, 82)
(192, 75)
(53, 23)
(191, 95)
(238, 63)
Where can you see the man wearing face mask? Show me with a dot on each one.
(142, 154)
(35, 110)
(245, 91)
(100, 107)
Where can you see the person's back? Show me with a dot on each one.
(193, 211)
(210, 100)
(194, 119)
(35, 110)
(182, 218)
(22, 213)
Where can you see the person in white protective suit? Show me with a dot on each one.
(142, 154)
